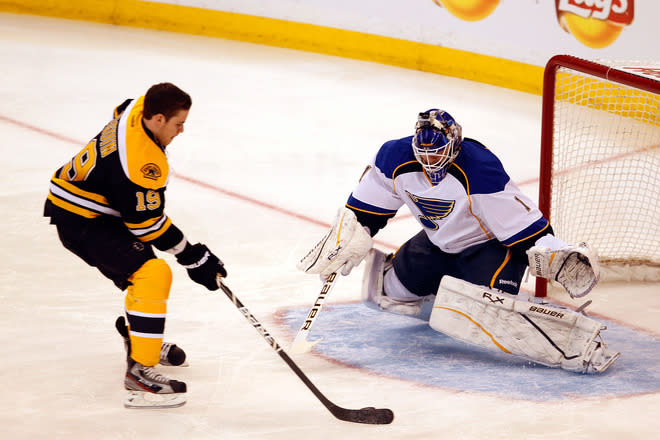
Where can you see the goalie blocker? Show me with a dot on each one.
(343, 247)
(540, 332)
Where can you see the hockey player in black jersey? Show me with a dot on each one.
(108, 204)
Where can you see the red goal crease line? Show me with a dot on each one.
(197, 182)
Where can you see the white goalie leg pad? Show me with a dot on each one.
(373, 296)
(543, 333)
(346, 243)
(575, 267)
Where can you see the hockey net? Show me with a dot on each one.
(600, 162)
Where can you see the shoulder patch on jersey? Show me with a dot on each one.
(151, 171)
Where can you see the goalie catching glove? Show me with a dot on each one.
(346, 244)
(203, 267)
(574, 267)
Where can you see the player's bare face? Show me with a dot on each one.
(172, 127)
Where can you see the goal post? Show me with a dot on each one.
(600, 162)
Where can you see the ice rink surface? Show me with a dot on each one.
(273, 145)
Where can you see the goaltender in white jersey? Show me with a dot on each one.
(479, 234)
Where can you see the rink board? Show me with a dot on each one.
(407, 348)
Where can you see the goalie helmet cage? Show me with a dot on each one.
(600, 162)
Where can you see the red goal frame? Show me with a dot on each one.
(547, 122)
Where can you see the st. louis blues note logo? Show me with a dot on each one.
(431, 209)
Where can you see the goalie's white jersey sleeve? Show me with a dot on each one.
(475, 202)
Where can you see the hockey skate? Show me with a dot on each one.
(373, 293)
(171, 355)
(150, 389)
(601, 358)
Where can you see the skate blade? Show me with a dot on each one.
(167, 364)
(142, 399)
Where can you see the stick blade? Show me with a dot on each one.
(302, 346)
(368, 415)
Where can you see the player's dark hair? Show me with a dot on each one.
(166, 99)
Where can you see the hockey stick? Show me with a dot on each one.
(300, 343)
(369, 415)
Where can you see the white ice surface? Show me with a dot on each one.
(275, 141)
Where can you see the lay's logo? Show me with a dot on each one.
(616, 11)
(595, 23)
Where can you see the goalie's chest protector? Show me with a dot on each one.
(474, 203)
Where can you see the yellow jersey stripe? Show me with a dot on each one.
(153, 233)
(78, 204)
(69, 187)
(72, 208)
(145, 224)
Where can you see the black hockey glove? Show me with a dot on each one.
(203, 267)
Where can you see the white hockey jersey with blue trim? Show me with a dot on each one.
(475, 202)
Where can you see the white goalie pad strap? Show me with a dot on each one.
(543, 333)
(347, 242)
(372, 279)
(373, 287)
(574, 267)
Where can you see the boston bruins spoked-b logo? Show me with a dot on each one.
(431, 209)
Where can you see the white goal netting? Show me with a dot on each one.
(605, 178)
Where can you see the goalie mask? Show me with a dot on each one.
(436, 142)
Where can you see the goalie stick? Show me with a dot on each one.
(369, 415)
(300, 343)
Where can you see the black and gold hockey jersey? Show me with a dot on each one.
(122, 172)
